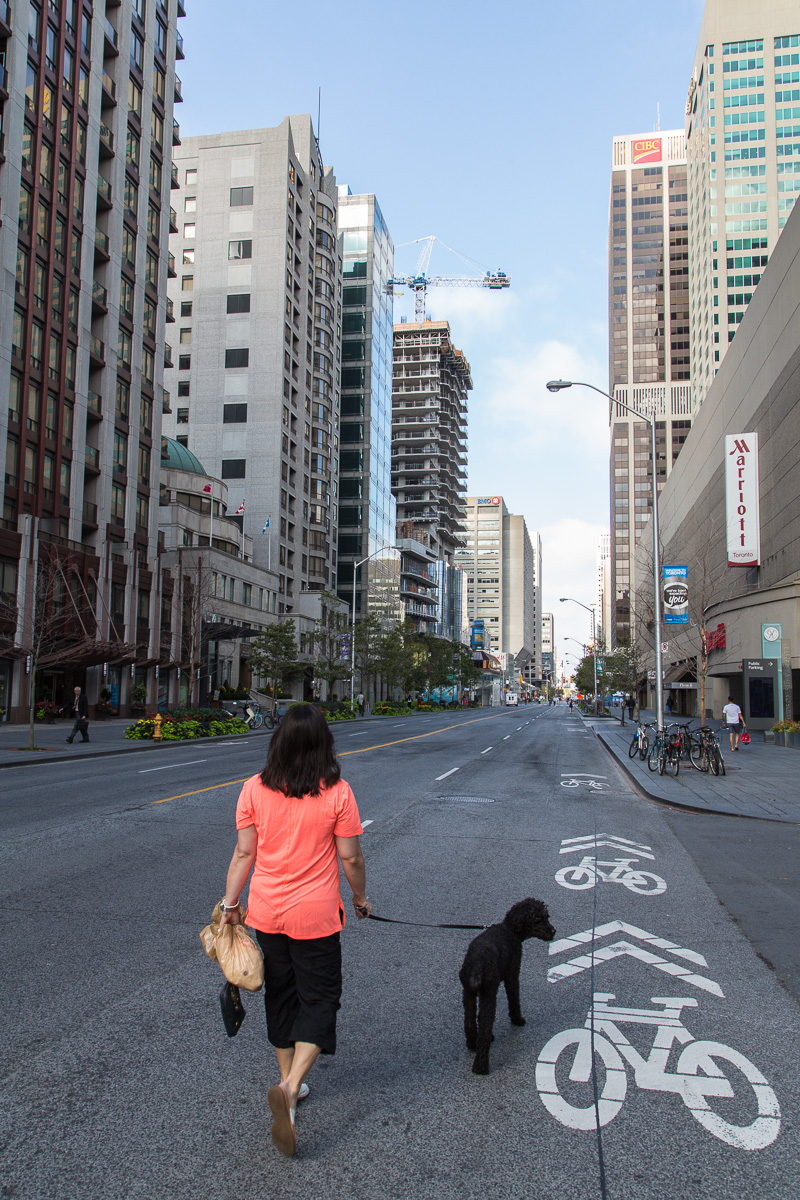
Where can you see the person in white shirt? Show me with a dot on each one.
(734, 721)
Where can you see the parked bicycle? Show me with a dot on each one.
(274, 717)
(250, 713)
(665, 752)
(640, 742)
(706, 752)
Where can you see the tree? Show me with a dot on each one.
(368, 636)
(196, 582)
(274, 655)
(395, 657)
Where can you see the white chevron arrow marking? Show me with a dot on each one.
(603, 954)
(591, 841)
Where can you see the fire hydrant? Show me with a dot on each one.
(157, 727)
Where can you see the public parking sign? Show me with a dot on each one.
(676, 596)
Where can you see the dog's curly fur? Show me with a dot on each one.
(492, 958)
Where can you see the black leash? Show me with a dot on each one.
(422, 924)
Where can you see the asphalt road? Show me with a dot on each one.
(118, 1080)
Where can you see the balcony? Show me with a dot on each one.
(173, 221)
(106, 141)
(97, 353)
(181, 9)
(176, 133)
(91, 464)
(104, 201)
(2, 146)
(99, 299)
(94, 405)
(178, 91)
(179, 46)
(108, 96)
(167, 355)
(89, 515)
(171, 272)
(102, 246)
(174, 181)
(165, 401)
(3, 83)
(110, 40)
(170, 311)
(5, 20)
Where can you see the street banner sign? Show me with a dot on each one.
(741, 500)
(676, 595)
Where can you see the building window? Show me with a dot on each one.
(190, 204)
(186, 337)
(186, 308)
(183, 387)
(233, 468)
(233, 414)
(117, 504)
(237, 358)
(183, 416)
(142, 512)
(239, 303)
(187, 283)
(184, 362)
(189, 230)
(238, 249)
(191, 176)
(241, 196)
(247, 594)
(188, 255)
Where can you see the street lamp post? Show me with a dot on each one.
(589, 609)
(356, 565)
(556, 385)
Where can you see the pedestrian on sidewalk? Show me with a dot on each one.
(294, 819)
(360, 702)
(80, 711)
(734, 721)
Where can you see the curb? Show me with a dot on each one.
(676, 805)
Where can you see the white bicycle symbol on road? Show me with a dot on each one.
(592, 784)
(697, 1078)
(585, 874)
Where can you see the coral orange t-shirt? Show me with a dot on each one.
(294, 888)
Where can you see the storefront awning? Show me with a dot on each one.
(680, 673)
(218, 631)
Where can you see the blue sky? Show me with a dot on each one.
(490, 126)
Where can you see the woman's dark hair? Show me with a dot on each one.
(301, 759)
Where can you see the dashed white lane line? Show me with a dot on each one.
(452, 771)
(171, 766)
(508, 735)
(364, 824)
(400, 725)
(486, 751)
(518, 728)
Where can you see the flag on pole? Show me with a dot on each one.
(266, 526)
(240, 509)
(207, 488)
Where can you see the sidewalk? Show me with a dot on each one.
(761, 779)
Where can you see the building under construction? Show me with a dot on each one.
(430, 383)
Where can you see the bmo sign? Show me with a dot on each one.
(488, 500)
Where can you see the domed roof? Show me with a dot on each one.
(177, 457)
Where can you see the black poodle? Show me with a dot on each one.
(495, 956)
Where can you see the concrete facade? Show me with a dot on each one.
(756, 389)
(256, 381)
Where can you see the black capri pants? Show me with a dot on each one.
(303, 987)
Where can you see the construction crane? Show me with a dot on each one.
(420, 281)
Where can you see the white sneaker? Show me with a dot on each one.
(301, 1095)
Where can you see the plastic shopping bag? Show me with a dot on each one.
(236, 952)
(745, 738)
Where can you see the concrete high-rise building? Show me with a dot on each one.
(86, 107)
(548, 647)
(257, 295)
(501, 583)
(429, 465)
(743, 148)
(367, 509)
(649, 338)
(604, 607)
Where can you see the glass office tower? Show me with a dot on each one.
(367, 510)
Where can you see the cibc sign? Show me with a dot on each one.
(645, 150)
(741, 500)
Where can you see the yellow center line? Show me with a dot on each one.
(380, 746)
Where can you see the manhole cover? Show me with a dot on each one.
(468, 799)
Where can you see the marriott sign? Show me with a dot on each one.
(741, 500)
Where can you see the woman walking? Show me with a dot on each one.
(296, 821)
